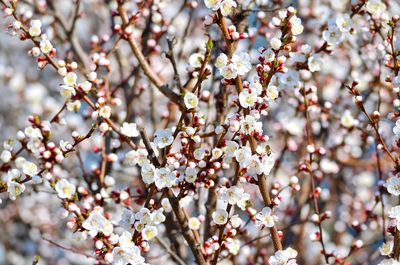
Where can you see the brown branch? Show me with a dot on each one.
(164, 89)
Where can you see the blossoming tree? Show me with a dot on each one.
(200, 132)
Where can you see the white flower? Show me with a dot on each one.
(158, 216)
(134, 157)
(296, 26)
(196, 59)
(229, 71)
(191, 100)
(166, 205)
(13, 174)
(65, 189)
(235, 195)
(249, 124)
(86, 86)
(222, 60)
(375, 7)
(15, 189)
(194, 223)
(148, 173)
(347, 119)
(220, 216)
(284, 257)
(70, 79)
(96, 222)
(272, 92)
(227, 7)
(252, 165)
(393, 186)
(230, 148)
(243, 154)
(129, 129)
(256, 87)
(105, 112)
(212, 4)
(164, 178)
(67, 91)
(74, 106)
(6, 156)
(127, 219)
(386, 249)
(45, 46)
(233, 246)
(34, 29)
(199, 153)
(269, 55)
(144, 216)
(394, 213)
(29, 168)
(247, 99)
(125, 239)
(267, 163)
(344, 23)
(315, 62)
(235, 221)
(127, 255)
(242, 62)
(190, 174)
(332, 35)
(275, 43)
(265, 218)
(163, 138)
(149, 232)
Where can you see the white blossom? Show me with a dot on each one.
(15, 189)
(393, 186)
(164, 178)
(394, 213)
(148, 172)
(347, 119)
(29, 168)
(191, 100)
(96, 222)
(65, 189)
(247, 99)
(242, 62)
(296, 26)
(275, 43)
(149, 232)
(375, 7)
(196, 59)
(213, 4)
(227, 7)
(35, 28)
(163, 138)
(129, 129)
(315, 62)
(6, 156)
(190, 174)
(70, 79)
(332, 35)
(284, 257)
(265, 218)
(194, 223)
(105, 112)
(45, 46)
(220, 217)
